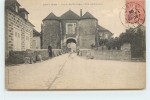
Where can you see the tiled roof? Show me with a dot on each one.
(51, 16)
(23, 10)
(87, 15)
(10, 2)
(102, 29)
(9, 5)
(70, 15)
(36, 33)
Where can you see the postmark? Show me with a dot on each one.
(132, 14)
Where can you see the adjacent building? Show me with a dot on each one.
(36, 44)
(104, 33)
(18, 29)
(71, 29)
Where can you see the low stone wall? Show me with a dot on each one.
(113, 55)
(84, 52)
(57, 52)
(42, 52)
(18, 57)
(107, 54)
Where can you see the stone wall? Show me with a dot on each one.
(57, 52)
(87, 31)
(7, 47)
(51, 34)
(36, 42)
(84, 52)
(18, 57)
(107, 54)
(85, 41)
(126, 47)
(113, 55)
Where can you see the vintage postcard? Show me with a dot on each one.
(75, 44)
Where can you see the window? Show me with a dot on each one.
(16, 34)
(27, 41)
(26, 16)
(27, 38)
(16, 8)
(16, 39)
(70, 28)
(34, 44)
(106, 36)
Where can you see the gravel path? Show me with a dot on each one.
(72, 72)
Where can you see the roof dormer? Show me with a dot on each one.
(13, 4)
(24, 13)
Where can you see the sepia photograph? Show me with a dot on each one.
(75, 45)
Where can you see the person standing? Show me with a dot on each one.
(78, 51)
(50, 51)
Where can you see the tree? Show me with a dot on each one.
(117, 43)
(110, 44)
(126, 37)
(136, 37)
(103, 42)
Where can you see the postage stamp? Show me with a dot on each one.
(134, 13)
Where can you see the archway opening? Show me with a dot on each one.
(71, 45)
(71, 40)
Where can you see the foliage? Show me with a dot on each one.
(135, 37)
(126, 37)
(132, 36)
(113, 43)
(103, 42)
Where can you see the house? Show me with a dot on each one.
(104, 33)
(18, 29)
(36, 40)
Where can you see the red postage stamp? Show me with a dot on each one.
(135, 12)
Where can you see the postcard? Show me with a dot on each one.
(75, 44)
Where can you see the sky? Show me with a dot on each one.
(106, 11)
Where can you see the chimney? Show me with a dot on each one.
(80, 12)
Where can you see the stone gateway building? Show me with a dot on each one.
(69, 31)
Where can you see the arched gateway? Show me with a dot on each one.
(71, 44)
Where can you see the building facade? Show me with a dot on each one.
(18, 29)
(36, 44)
(69, 30)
